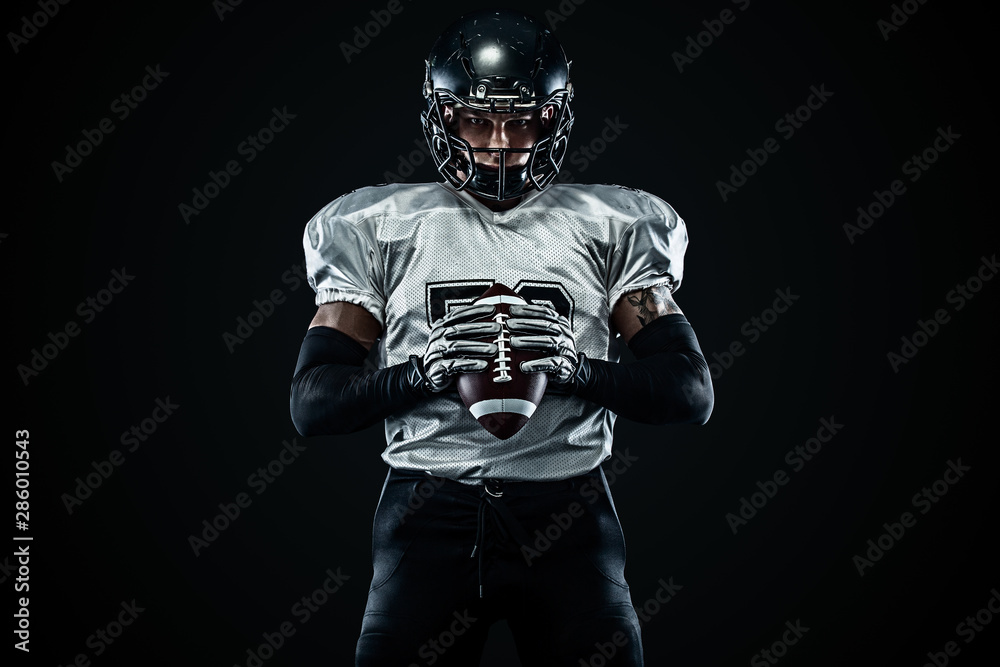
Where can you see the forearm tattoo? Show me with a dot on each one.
(652, 302)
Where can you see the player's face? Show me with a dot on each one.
(499, 130)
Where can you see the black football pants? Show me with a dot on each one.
(450, 559)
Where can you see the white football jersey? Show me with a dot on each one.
(408, 253)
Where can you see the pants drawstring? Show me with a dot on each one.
(477, 545)
(507, 526)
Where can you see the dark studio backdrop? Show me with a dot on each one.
(845, 486)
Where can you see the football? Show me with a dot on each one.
(502, 398)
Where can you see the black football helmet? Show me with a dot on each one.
(497, 61)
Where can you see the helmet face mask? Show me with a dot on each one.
(497, 62)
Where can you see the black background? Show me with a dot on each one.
(162, 336)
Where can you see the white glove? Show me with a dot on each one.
(547, 331)
(450, 345)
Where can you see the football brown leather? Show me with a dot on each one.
(502, 398)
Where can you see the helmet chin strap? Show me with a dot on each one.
(506, 183)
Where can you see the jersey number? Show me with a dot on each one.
(442, 297)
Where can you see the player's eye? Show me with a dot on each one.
(476, 121)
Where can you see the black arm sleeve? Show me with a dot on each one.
(332, 393)
(669, 382)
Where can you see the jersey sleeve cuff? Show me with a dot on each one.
(366, 301)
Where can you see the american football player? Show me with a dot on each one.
(470, 529)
